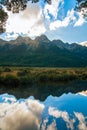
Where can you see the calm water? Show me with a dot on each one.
(42, 91)
(66, 112)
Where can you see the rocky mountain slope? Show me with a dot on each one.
(41, 52)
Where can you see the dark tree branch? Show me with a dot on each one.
(15, 6)
(82, 7)
(3, 18)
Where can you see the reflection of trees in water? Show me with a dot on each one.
(42, 91)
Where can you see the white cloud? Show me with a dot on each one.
(39, 19)
(27, 115)
(44, 124)
(82, 123)
(62, 114)
(80, 21)
(65, 22)
(83, 93)
(29, 21)
(52, 9)
(21, 116)
(69, 122)
(52, 126)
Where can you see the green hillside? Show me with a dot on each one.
(42, 52)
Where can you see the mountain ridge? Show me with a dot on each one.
(84, 43)
(39, 39)
(41, 52)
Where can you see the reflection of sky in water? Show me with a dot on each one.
(55, 113)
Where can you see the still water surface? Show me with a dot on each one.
(65, 112)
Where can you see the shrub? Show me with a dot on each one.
(7, 69)
(22, 73)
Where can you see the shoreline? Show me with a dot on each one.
(20, 76)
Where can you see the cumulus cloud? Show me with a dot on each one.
(29, 21)
(83, 93)
(39, 18)
(65, 22)
(28, 115)
(80, 21)
(64, 115)
(82, 122)
(44, 124)
(51, 126)
(52, 9)
(21, 116)
(55, 10)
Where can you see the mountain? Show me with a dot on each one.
(41, 52)
(84, 43)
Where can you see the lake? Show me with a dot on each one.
(44, 107)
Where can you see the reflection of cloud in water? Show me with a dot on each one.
(51, 126)
(82, 122)
(30, 114)
(64, 115)
(21, 116)
(69, 122)
(84, 93)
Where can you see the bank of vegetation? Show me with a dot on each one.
(16, 76)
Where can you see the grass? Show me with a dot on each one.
(15, 76)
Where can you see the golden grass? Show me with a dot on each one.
(33, 75)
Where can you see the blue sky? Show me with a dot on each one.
(58, 21)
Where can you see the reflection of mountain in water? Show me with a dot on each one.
(67, 112)
(42, 91)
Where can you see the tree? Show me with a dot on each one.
(3, 18)
(18, 5)
(15, 6)
(82, 7)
